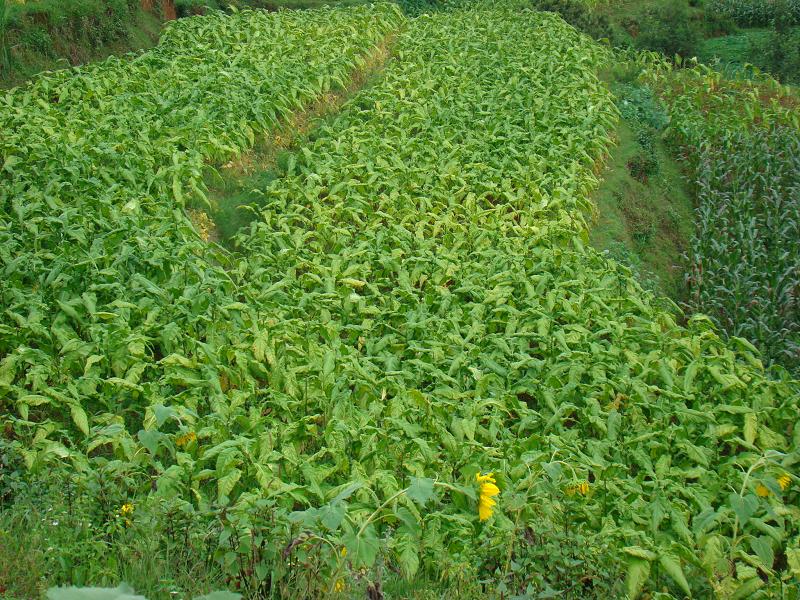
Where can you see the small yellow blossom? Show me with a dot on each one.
(581, 488)
(762, 490)
(126, 509)
(488, 489)
(338, 586)
(186, 439)
(344, 551)
(784, 481)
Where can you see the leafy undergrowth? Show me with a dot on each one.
(415, 306)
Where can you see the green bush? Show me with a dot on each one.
(638, 105)
(642, 166)
(779, 53)
(717, 24)
(4, 59)
(579, 15)
(186, 8)
(668, 29)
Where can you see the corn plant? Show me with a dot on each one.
(756, 13)
(745, 254)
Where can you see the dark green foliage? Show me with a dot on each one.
(415, 7)
(647, 116)
(643, 165)
(185, 8)
(4, 58)
(578, 14)
(668, 28)
(779, 51)
(637, 104)
(717, 24)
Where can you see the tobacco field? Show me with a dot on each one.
(409, 375)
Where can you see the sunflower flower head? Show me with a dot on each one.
(762, 490)
(784, 481)
(581, 488)
(488, 489)
(186, 439)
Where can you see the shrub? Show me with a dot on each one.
(717, 24)
(187, 8)
(779, 51)
(637, 104)
(579, 15)
(642, 165)
(668, 29)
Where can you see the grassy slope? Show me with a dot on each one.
(143, 33)
(644, 225)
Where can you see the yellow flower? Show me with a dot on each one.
(126, 509)
(344, 551)
(581, 488)
(338, 586)
(784, 481)
(762, 490)
(186, 439)
(487, 490)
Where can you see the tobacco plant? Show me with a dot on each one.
(415, 306)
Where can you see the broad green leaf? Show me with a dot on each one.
(637, 573)
(672, 567)
(420, 490)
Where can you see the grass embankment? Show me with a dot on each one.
(44, 36)
(644, 207)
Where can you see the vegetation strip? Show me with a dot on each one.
(741, 143)
(413, 369)
(230, 187)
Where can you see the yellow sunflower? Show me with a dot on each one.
(488, 489)
(784, 481)
(186, 439)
